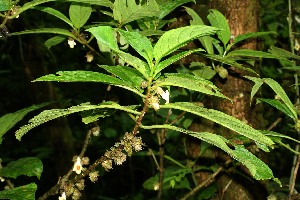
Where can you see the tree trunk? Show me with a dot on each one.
(242, 17)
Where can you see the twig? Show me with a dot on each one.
(203, 184)
(292, 183)
(274, 124)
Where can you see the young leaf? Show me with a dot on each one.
(54, 41)
(55, 13)
(140, 43)
(190, 82)
(30, 166)
(167, 62)
(277, 89)
(251, 53)
(283, 53)
(88, 76)
(105, 35)
(223, 119)
(280, 106)
(126, 11)
(218, 20)
(25, 192)
(48, 115)
(127, 74)
(167, 6)
(6, 5)
(246, 36)
(9, 120)
(172, 40)
(229, 61)
(79, 14)
(258, 83)
(205, 40)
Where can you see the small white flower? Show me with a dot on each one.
(89, 57)
(77, 166)
(2, 179)
(164, 94)
(155, 105)
(71, 43)
(63, 196)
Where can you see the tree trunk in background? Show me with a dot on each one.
(242, 17)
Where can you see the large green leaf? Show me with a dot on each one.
(30, 166)
(48, 115)
(190, 82)
(205, 40)
(88, 76)
(172, 40)
(277, 104)
(25, 192)
(55, 13)
(79, 14)
(278, 90)
(224, 120)
(258, 169)
(218, 20)
(140, 43)
(167, 62)
(126, 11)
(9, 120)
(59, 31)
(127, 74)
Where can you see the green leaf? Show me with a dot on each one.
(6, 5)
(278, 135)
(278, 90)
(126, 11)
(137, 63)
(59, 31)
(258, 169)
(79, 14)
(229, 61)
(167, 62)
(223, 119)
(140, 43)
(281, 53)
(54, 41)
(277, 104)
(174, 39)
(218, 20)
(167, 6)
(205, 40)
(34, 3)
(105, 35)
(127, 74)
(251, 53)
(9, 120)
(246, 36)
(88, 76)
(48, 115)
(258, 83)
(55, 13)
(192, 83)
(25, 192)
(30, 166)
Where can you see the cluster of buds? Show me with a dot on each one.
(73, 190)
(117, 153)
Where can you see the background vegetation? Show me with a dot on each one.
(172, 164)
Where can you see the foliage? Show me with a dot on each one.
(137, 57)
